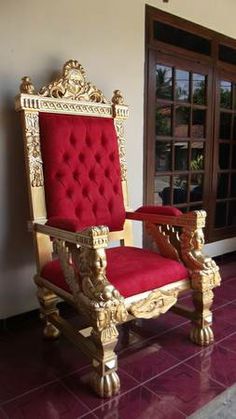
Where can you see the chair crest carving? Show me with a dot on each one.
(71, 85)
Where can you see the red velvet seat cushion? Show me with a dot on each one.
(131, 270)
(82, 170)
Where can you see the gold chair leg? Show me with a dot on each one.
(48, 305)
(104, 379)
(201, 332)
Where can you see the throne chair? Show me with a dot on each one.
(74, 146)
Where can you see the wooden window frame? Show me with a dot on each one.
(154, 48)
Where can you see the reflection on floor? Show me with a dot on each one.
(163, 375)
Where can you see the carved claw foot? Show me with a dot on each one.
(202, 336)
(107, 385)
(51, 332)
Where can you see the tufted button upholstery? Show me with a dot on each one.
(82, 170)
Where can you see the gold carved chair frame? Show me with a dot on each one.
(177, 237)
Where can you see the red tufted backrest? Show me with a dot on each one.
(82, 170)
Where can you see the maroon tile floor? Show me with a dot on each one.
(163, 375)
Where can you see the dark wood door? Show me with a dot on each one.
(179, 152)
(224, 173)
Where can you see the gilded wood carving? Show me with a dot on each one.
(204, 275)
(204, 271)
(164, 236)
(119, 125)
(73, 85)
(157, 302)
(85, 272)
(118, 102)
(27, 86)
(33, 148)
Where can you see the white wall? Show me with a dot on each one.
(107, 37)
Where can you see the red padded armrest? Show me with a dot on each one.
(154, 214)
(68, 224)
(159, 210)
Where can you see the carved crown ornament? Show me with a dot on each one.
(71, 93)
(72, 84)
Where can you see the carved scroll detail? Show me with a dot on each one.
(64, 253)
(33, 146)
(119, 125)
(73, 85)
(166, 238)
(156, 303)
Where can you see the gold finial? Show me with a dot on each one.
(26, 86)
(117, 98)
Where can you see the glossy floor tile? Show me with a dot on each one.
(229, 343)
(185, 388)
(163, 374)
(52, 402)
(151, 361)
(139, 403)
(218, 363)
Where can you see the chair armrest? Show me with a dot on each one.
(92, 237)
(93, 293)
(168, 216)
(186, 242)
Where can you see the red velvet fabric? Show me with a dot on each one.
(160, 210)
(131, 270)
(82, 170)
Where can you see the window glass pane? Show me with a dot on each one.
(181, 155)
(198, 124)
(227, 54)
(220, 214)
(175, 36)
(199, 89)
(224, 155)
(182, 85)
(234, 157)
(196, 187)
(180, 189)
(163, 156)
(182, 118)
(162, 190)
(163, 120)
(225, 94)
(225, 126)
(233, 185)
(197, 156)
(163, 82)
(232, 213)
(222, 188)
